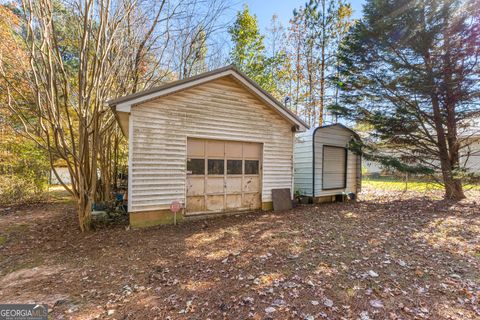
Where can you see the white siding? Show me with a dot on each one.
(64, 176)
(334, 136)
(221, 109)
(303, 163)
(473, 161)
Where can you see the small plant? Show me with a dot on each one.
(297, 194)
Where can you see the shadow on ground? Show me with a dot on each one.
(388, 259)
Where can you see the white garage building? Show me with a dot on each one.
(215, 142)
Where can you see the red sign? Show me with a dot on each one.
(175, 206)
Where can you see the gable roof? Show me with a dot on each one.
(124, 104)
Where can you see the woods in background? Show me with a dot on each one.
(297, 64)
(65, 59)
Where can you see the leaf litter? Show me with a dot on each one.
(390, 255)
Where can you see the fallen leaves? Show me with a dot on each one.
(395, 256)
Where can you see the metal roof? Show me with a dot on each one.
(337, 125)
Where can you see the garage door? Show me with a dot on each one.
(223, 176)
(334, 167)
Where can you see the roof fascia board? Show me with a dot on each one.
(123, 107)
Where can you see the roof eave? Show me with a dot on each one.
(124, 104)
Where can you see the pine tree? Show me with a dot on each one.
(412, 74)
(315, 31)
(324, 21)
(296, 39)
(278, 62)
(248, 52)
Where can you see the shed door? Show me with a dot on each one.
(334, 169)
(223, 176)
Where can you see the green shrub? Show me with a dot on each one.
(16, 189)
(24, 170)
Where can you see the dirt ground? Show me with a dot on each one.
(390, 255)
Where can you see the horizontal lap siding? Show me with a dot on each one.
(473, 160)
(334, 136)
(221, 109)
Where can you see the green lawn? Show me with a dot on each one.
(392, 183)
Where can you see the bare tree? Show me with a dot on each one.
(69, 117)
(80, 54)
(69, 109)
(196, 30)
(296, 37)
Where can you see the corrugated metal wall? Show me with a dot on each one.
(303, 169)
(220, 109)
(334, 136)
(333, 167)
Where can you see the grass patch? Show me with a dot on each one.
(58, 194)
(397, 184)
(2, 240)
(401, 185)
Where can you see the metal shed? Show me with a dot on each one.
(324, 167)
(215, 142)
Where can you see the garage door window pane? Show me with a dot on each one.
(215, 166)
(251, 166)
(196, 166)
(234, 166)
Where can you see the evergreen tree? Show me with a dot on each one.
(315, 31)
(296, 56)
(248, 52)
(280, 62)
(325, 20)
(412, 74)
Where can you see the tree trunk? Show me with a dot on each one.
(322, 68)
(84, 212)
(322, 89)
(453, 188)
